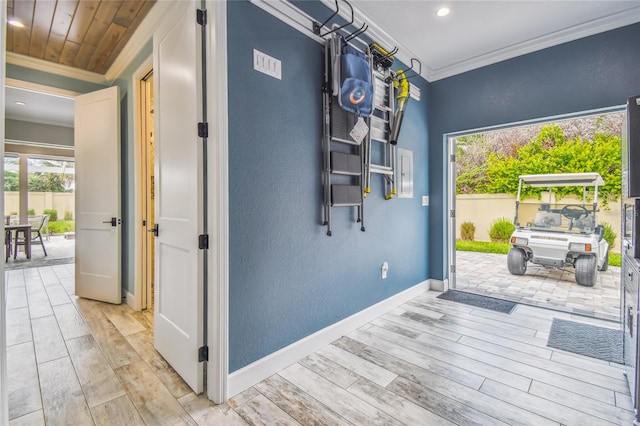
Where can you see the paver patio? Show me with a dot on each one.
(487, 273)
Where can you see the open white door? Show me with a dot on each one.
(98, 230)
(178, 184)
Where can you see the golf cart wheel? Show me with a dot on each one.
(605, 264)
(517, 261)
(586, 270)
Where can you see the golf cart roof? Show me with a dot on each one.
(563, 179)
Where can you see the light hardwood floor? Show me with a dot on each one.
(429, 362)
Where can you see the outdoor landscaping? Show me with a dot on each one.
(50, 191)
(488, 166)
(61, 226)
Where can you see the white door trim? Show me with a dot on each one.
(218, 318)
(450, 281)
(135, 299)
(4, 398)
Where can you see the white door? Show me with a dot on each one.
(98, 230)
(178, 201)
(452, 216)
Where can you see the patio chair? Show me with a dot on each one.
(38, 224)
(8, 244)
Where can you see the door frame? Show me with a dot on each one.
(218, 157)
(4, 398)
(135, 300)
(450, 278)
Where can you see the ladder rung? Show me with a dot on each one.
(345, 173)
(382, 108)
(378, 168)
(346, 204)
(379, 139)
(346, 164)
(377, 121)
(350, 142)
(346, 195)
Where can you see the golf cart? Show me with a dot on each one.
(556, 235)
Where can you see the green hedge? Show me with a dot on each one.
(62, 226)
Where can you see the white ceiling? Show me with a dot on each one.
(39, 108)
(476, 33)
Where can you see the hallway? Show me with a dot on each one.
(75, 361)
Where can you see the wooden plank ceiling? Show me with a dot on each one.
(85, 34)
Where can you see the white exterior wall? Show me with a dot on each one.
(482, 209)
(41, 201)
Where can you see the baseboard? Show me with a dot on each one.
(131, 301)
(439, 285)
(259, 370)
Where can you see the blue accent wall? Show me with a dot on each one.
(287, 278)
(594, 72)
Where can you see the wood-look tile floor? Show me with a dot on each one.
(73, 361)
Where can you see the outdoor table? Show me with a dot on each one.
(25, 229)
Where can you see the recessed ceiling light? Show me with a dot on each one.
(15, 23)
(20, 103)
(443, 11)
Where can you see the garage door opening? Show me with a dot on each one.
(485, 170)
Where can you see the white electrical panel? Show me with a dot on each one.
(405, 173)
(266, 64)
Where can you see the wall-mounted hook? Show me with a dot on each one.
(317, 27)
(363, 29)
(413, 62)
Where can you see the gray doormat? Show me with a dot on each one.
(588, 340)
(37, 263)
(485, 302)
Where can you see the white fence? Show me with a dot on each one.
(482, 209)
(40, 201)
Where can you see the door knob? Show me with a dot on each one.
(154, 230)
(114, 221)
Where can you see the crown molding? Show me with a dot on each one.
(54, 68)
(607, 23)
(142, 34)
(40, 88)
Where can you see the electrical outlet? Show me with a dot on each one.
(385, 270)
(266, 64)
(425, 200)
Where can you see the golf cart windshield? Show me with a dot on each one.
(558, 216)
